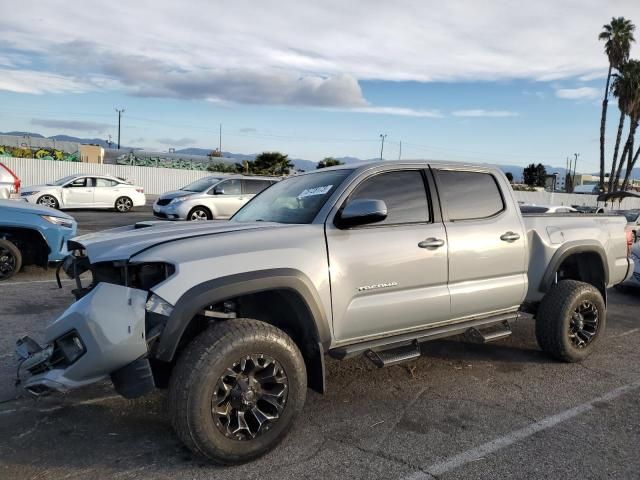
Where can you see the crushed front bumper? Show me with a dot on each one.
(101, 334)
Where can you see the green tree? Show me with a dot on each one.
(221, 167)
(509, 176)
(269, 163)
(534, 175)
(618, 36)
(626, 88)
(329, 162)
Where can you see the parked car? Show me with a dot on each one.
(86, 191)
(547, 209)
(633, 221)
(634, 280)
(236, 317)
(215, 197)
(32, 234)
(9, 183)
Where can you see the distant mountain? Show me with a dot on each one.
(22, 134)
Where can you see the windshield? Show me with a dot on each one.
(62, 181)
(201, 185)
(293, 200)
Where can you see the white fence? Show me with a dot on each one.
(154, 180)
(160, 180)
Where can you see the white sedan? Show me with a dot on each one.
(86, 191)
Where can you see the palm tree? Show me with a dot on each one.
(622, 88)
(618, 36)
(627, 87)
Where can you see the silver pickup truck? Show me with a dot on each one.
(236, 317)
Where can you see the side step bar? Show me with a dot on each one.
(498, 332)
(387, 358)
(433, 333)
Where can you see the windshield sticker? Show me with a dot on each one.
(309, 192)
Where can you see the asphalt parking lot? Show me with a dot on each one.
(460, 411)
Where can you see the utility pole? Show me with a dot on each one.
(120, 112)
(575, 163)
(382, 137)
(400, 151)
(220, 142)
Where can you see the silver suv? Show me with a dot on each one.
(216, 197)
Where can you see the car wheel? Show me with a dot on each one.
(199, 213)
(48, 201)
(10, 259)
(236, 390)
(123, 204)
(570, 320)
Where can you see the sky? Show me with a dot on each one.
(481, 81)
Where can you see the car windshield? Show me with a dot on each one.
(62, 181)
(293, 200)
(201, 185)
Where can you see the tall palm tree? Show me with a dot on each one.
(626, 86)
(622, 88)
(618, 36)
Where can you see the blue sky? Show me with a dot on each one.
(473, 81)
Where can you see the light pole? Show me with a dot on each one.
(382, 137)
(120, 112)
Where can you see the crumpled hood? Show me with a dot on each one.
(124, 242)
(24, 207)
(174, 194)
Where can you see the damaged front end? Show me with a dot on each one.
(108, 332)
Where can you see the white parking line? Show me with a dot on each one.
(499, 443)
(624, 334)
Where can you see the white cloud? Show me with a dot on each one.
(291, 52)
(580, 93)
(77, 125)
(401, 111)
(34, 82)
(177, 142)
(484, 113)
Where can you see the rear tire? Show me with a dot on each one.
(570, 320)
(199, 213)
(123, 204)
(240, 368)
(10, 260)
(48, 201)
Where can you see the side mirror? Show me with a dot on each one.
(218, 191)
(361, 212)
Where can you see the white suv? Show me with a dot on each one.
(216, 197)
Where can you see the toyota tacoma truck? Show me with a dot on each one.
(235, 318)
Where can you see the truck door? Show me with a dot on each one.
(487, 242)
(389, 276)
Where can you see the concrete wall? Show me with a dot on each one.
(35, 142)
(548, 198)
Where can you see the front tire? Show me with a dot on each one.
(236, 390)
(10, 260)
(123, 204)
(199, 213)
(570, 321)
(48, 201)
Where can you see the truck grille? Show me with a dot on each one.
(163, 201)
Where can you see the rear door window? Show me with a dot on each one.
(253, 187)
(469, 195)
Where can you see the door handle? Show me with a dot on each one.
(431, 243)
(509, 237)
